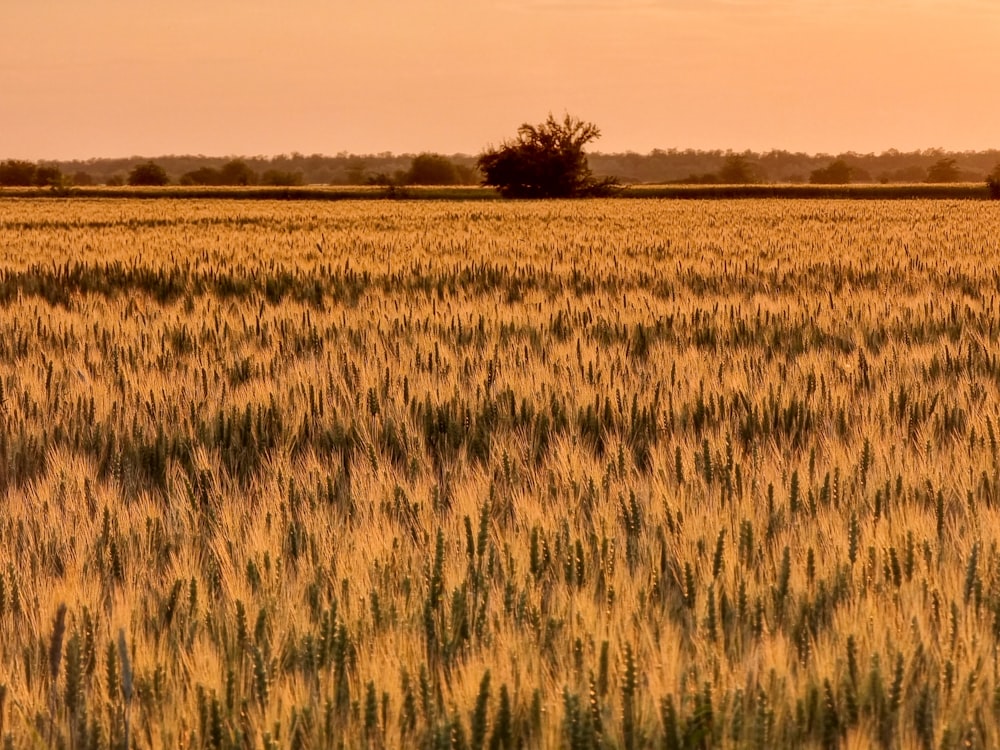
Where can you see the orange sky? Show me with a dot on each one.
(220, 77)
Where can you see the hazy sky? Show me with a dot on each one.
(219, 77)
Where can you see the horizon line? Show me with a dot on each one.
(929, 151)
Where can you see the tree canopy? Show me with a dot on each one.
(14, 173)
(148, 174)
(837, 172)
(656, 167)
(432, 169)
(544, 161)
(944, 170)
(235, 172)
(737, 171)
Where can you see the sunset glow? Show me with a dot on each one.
(114, 78)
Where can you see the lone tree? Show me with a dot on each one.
(148, 174)
(545, 161)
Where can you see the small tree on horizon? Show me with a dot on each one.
(149, 174)
(545, 161)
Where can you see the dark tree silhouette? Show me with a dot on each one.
(14, 173)
(432, 169)
(545, 161)
(737, 171)
(281, 178)
(148, 174)
(201, 176)
(237, 172)
(48, 176)
(836, 173)
(943, 170)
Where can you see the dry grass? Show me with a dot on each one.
(611, 473)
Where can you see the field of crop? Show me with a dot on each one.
(856, 191)
(494, 475)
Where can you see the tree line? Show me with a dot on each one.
(382, 169)
(657, 167)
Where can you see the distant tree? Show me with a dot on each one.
(280, 178)
(737, 171)
(48, 176)
(431, 169)
(15, 173)
(837, 172)
(943, 170)
(545, 161)
(202, 176)
(115, 180)
(82, 179)
(237, 172)
(993, 183)
(148, 174)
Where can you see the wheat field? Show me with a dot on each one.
(589, 474)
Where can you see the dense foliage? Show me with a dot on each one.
(837, 172)
(14, 173)
(544, 161)
(148, 174)
(658, 166)
(469, 475)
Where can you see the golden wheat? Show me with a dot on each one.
(607, 473)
